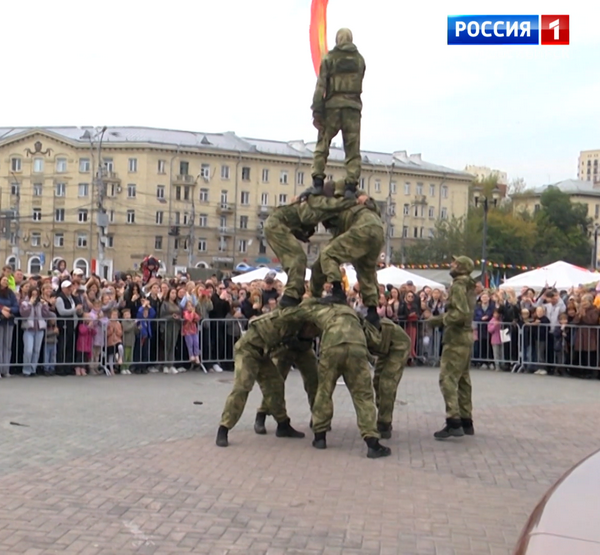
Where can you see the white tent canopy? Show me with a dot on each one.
(397, 277)
(261, 273)
(561, 275)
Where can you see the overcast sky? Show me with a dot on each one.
(245, 66)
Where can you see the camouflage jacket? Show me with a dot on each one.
(339, 84)
(460, 308)
(391, 338)
(356, 216)
(270, 330)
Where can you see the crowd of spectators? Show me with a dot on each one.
(68, 324)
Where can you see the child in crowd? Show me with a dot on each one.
(540, 337)
(494, 329)
(84, 347)
(190, 332)
(129, 332)
(50, 348)
(145, 316)
(114, 338)
(561, 343)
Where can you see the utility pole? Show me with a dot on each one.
(102, 217)
(390, 213)
(17, 249)
(192, 234)
(595, 251)
(169, 263)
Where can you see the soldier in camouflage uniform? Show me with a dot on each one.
(358, 239)
(296, 222)
(391, 346)
(298, 353)
(252, 363)
(343, 352)
(455, 381)
(337, 107)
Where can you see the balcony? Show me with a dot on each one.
(226, 231)
(184, 179)
(108, 176)
(264, 211)
(225, 208)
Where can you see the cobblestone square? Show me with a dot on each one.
(123, 465)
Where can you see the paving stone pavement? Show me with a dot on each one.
(128, 465)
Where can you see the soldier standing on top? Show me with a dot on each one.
(337, 107)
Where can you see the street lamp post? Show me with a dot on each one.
(595, 251)
(482, 200)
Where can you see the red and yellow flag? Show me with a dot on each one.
(318, 32)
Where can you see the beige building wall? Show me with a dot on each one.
(587, 167)
(187, 206)
(483, 172)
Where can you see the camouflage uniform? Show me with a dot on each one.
(337, 106)
(455, 381)
(391, 346)
(252, 364)
(358, 239)
(288, 224)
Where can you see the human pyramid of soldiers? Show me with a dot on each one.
(276, 341)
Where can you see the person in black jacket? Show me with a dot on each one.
(218, 330)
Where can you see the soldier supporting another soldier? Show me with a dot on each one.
(337, 106)
(455, 381)
(391, 346)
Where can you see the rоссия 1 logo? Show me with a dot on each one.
(508, 29)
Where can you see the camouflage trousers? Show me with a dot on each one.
(291, 255)
(252, 366)
(346, 120)
(386, 379)
(305, 362)
(349, 361)
(361, 246)
(455, 380)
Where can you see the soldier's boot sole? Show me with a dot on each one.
(449, 433)
(222, 440)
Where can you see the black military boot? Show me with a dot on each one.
(375, 449)
(453, 428)
(287, 301)
(338, 295)
(222, 440)
(318, 184)
(284, 429)
(467, 425)
(385, 430)
(320, 441)
(350, 190)
(259, 423)
(373, 317)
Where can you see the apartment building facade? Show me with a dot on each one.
(104, 199)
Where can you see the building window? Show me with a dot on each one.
(224, 172)
(406, 210)
(419, 189)
(262, 247)
(13, 238)
(83, 190)
(377, 186)
(243, 222)
(223, 222)
(330, 178)
(416, 207)
(300, 178)
(59, 239)
(131, 190)
(132, 165)
(224, 195)
(37, 215)
(264, 199)
(38, 165)
(282, 199)
(161, 166)
(108, 164)
(537, 208)
(130, 216)
(158, 243)
(14, 189)
(203, 220)
(222, 245)
(114, 189)
(160, 192)
(15, 164)
(265, 175)
(361, 183)
(36, 239)
(405, 231)
(61, 165)
(444, 213)
(184, 168)
(37, 189)
(159, 217)
(84, 165)
(416, 232)
(432, 190)
(283, 179)
(245, 198)
(203, 195)
(444, 192)
(391, 230)
(431, 212)
(205, 171)
(59, 215)
(393, 187)
(186, 192)
(81, 240)
(177, 218)
(407, 188)
(245, 174)
(202, 245)
(60, 189)
(82, 216)
(178, 193)
(186, 218)
(111, 216)
(242, 245)
(597, 211)
(110, 241)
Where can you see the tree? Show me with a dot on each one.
(516, 186)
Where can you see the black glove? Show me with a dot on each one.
(311, 191)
